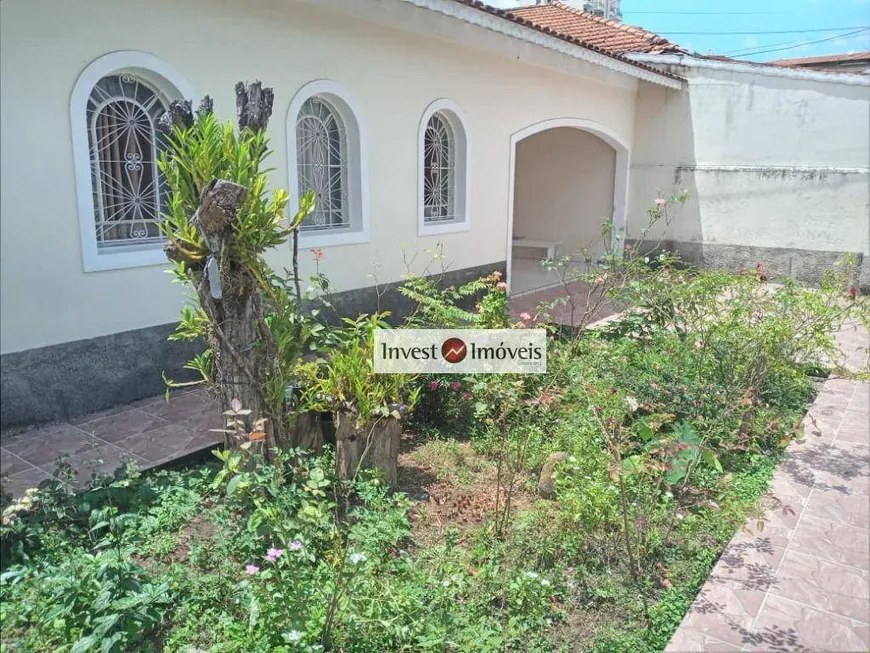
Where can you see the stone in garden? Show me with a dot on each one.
(546, 488)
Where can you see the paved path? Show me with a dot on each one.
(803, 582)
(575, 292)
(150, 432)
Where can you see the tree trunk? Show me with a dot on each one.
(308, 431)
(245, 353)
(375, 446)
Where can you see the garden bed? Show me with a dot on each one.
(212, 557)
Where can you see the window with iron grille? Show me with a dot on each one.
(443, 180)
(322, 164)
(124, 144)
(439, 172)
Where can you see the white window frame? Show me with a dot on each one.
(449, 111)
(357, 164)
(172, 85)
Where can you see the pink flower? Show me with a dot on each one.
(525, 316)
(599, 281)
(661, 201)
(433, 385)
(296, 545)
(501, 285)
(456, 385)
(274, 554)
(251, 569)
(496, 275)
(317, 254)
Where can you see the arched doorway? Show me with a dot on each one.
(568, 176)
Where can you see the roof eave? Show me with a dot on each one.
(500, 21)
(690, 61)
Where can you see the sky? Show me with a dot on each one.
(802, 25)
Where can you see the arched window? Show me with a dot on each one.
(321, 160)
(115, 106)
(439, 173)
(444, 179)
(124, 146)
(326, 151)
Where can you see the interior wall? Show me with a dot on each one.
(563, 188)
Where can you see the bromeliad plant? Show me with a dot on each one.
(346, 380)
(218, 223)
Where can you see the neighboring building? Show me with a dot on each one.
(854, 62)
(606, 8)
(442, 121)
(775, 159)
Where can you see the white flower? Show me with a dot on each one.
(293, 636)
(357, 558)
(531, 574)
(632, 403)
(545, 582)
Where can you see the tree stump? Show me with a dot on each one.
(309, 431)
(374, 446)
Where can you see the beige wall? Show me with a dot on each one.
(564, 187)
(393, 75)
(769, 162)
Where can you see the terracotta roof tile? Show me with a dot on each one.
(552, 31)
(610, 35)
(830, 58)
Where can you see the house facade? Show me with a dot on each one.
(424, 125)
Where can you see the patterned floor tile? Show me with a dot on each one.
(832, 541)
(45, 448)
(824, 585)
(122, 424)
(785, 625)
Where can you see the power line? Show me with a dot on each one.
(798, 45)
(787, 31)
(709, 13)
(755, 47)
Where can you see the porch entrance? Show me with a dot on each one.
(569, 177)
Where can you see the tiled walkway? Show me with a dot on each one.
(561, 312)
(802, 583)
(150, 431)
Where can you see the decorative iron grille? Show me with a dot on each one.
(128, 189)
(321, 159)
(439, 183)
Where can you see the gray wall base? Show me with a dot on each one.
(351, 303)
(75, 378)
(803, 264)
